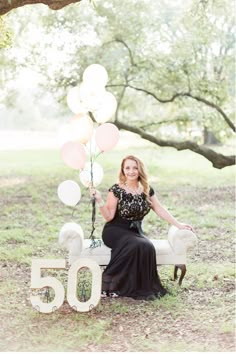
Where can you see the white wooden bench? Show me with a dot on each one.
(171, 251)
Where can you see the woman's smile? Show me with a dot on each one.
(131, 169)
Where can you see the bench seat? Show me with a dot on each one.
(164, 253)
(173, 250)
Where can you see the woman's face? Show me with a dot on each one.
(131, 170)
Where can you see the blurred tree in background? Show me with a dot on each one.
(170, 64)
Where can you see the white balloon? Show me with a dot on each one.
(81, 129)
(107, 108)
(69, 192)
(95, 74)
(74, 100)
(91, 96)
(85, 174)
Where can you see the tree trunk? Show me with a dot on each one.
(209, 138)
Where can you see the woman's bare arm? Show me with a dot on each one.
(166, 215)
(108, 209)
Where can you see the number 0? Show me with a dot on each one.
(72, 285)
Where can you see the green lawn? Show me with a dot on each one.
(196, 317)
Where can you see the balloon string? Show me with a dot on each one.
(99, 153)
(93, 219)
(93, 203)
(73, 211)
(92, 158)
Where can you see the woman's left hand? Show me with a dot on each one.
(183, 226)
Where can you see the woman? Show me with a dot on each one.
(132, 270)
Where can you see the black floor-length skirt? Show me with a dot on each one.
(132, 270)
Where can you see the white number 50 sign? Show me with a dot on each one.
(38, 282)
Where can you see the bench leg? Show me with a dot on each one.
(183, 269)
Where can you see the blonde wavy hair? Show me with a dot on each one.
(142, 174)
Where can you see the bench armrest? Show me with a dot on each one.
(71, 237)
(181, 240)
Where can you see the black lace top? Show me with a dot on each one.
(131, 206)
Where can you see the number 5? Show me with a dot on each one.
(37, 282)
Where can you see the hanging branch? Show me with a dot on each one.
(218, 160)
(174, 96)
(183, 94)
(8, 5)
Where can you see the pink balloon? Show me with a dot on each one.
(106, 136)
(73, 154)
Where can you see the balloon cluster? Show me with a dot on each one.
(92, 106)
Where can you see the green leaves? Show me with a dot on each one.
(5, 34)
(153, 52)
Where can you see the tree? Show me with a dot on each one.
(194, 72)
(183, 61)
(176, 61)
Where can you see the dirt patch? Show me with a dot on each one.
(12, 181)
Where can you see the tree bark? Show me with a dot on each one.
(8, 5)
(218, 160)
(209, 137)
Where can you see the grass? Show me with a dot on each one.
(196, 317)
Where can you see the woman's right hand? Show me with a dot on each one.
(95, 194)
(183, 226)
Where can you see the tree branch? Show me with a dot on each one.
(149, 93)
(129, 50)
(215, 106)
(218, 160)
(187, 94)
(184, 94)
(8, 5)
(165, 121)
(118, 40)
